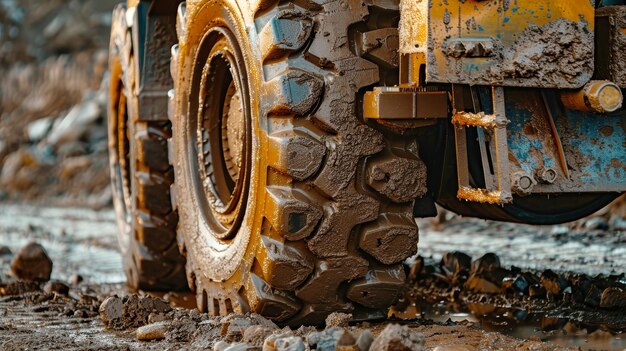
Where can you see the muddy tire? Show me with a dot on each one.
(141, 176)
(319, 217)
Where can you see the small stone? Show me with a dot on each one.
(613, 298)
(156, 317)
(485, 263)
(75, 279)
(80, 314)
(416, 268)
(325, 340)
(365, 339)
(234, 328)
(38, 129)
(479, 284)
(521, 285)
(154, 331)
(455, 348)
(136, 309)
(398, 338)
(593, 296)
(290, 343)
(456, 262)
(111, 311)
(5, 251)
(596, 223)
(239, 346)
(32, 263)
(220, 346)
(553, 282)
(56, 287)
(256, 335)
(537, 291)
(338, 319)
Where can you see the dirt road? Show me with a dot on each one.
(83, 242)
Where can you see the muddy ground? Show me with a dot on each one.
(440, 309)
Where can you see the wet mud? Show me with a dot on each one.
(471, 302)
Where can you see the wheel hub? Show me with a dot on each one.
(222, 133)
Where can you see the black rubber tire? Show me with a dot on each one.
(140, 176)
(329, 210)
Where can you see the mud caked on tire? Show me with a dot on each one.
(141, 176)
(290, 205)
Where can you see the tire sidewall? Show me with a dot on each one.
(217, 260)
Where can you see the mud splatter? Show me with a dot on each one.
(557, 54)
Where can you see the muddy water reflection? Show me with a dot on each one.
(80, 241)
(516, 322)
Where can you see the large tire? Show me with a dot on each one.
(324, 220)
(140, 176)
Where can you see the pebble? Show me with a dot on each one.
(290, 343)
(111, 311)
(239, 346)
(553, 282)
(154, 331)
(487, 262)
(455, 348)
(398, 338)
(479, 284)
(365, 339)
(5, 250)
(338, 319)
(256, 335)
(456, 261)
(613, 298)
(56, 287)
(32, 263)
(75, 279)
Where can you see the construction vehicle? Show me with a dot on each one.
(273, 154)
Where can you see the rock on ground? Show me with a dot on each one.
(32, 263)
(398, 338)
(154, 331)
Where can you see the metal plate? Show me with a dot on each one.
(545, 43)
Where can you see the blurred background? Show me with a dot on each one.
(53, 86)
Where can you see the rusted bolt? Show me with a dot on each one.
(522, 183)
(546, 175)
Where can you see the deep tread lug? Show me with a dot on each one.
(291, 214)
(401, 179)
(294, 92)
(327, 277)
(285, 266)
(378, 287)
(270, 302)
(287, 32)
(391, 239)
(297, 155)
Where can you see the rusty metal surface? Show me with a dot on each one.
(509, 43)
(610, 42)
(600, 96)
(592, 145)
(494, 127)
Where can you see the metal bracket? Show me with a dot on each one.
(497, 190)
(405, 103)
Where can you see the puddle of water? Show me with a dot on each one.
(80, 241)
(517, 323)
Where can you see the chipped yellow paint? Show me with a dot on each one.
(498, 24)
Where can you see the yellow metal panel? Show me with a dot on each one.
(480, 42)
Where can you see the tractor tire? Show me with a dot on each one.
(290, 205)
(140, 176)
